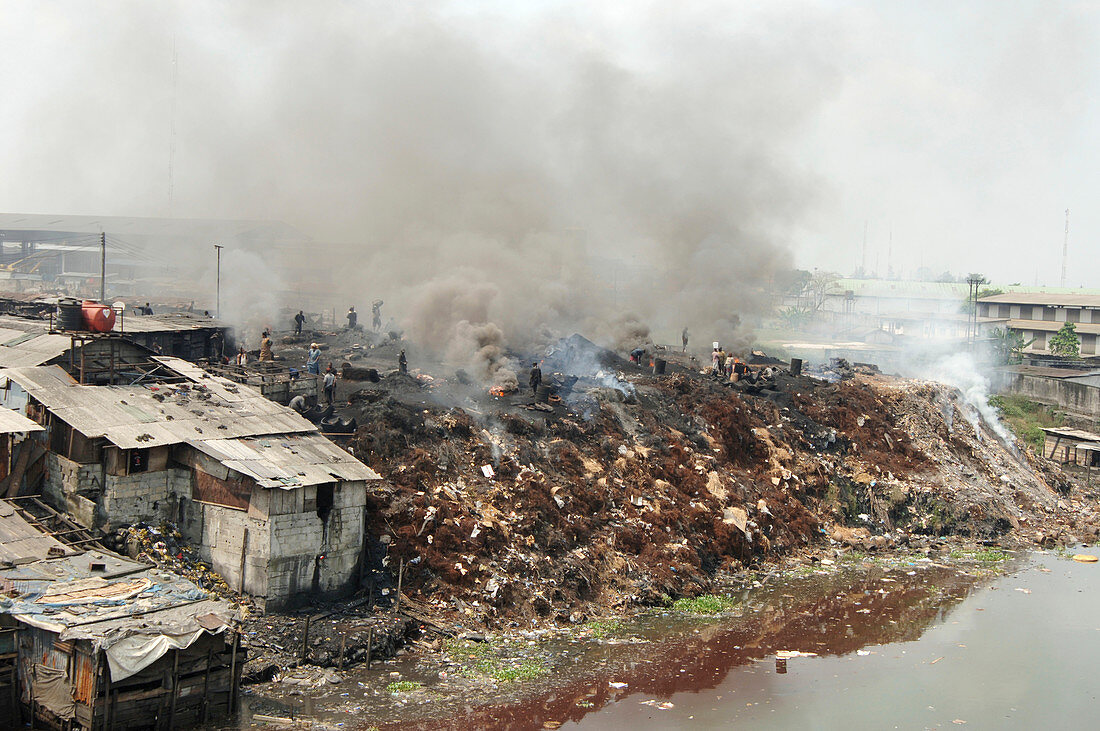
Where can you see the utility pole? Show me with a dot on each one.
(975, 281)
(1065, 250)
(103, 268)
(218, 309)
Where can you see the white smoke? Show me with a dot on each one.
(963, 371)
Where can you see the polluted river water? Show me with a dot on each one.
(981, 638)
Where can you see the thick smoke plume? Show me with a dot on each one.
(542, 171)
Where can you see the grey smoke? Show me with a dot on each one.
(542, 171)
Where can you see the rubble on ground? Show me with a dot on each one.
(633, 488)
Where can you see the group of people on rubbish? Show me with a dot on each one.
(726, 365)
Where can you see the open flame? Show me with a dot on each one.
(501, 391)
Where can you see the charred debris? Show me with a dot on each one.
(619, 484)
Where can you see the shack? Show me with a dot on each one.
(274, 506)
(29, 341)
(101, 641)
(274, 380)
(1067, 446)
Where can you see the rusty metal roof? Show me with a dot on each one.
(287, 461)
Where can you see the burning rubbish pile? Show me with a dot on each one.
(632, 488)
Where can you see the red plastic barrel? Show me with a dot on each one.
(98, 318)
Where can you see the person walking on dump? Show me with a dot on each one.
(299, 320)
(265, 348)
(313, 359)
(402, 364)
(536, 377)
(353, 318)
(376, 314)
(330, 384)
(684, 338)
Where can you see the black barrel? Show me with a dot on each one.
(542, 393)
(796, 366)
(659, 366)
(70, 315)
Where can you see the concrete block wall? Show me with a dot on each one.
(298, 538)
(142, 496)
(64, 478)
(222, 541)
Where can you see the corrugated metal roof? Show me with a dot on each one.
(168, 322)
(12, 422)
(287, 461)
(154, 415)
(1078, 434)
(20, 541)
(900, 288)
(29, 349)
(1050, 299)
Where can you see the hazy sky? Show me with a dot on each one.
(962, 129)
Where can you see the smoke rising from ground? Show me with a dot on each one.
(540, 171)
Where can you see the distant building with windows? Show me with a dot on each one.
(1038, 315)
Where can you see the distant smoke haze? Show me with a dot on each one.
(498, 178)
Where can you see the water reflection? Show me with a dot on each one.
(828, 615)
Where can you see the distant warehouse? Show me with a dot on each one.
(1037, 316)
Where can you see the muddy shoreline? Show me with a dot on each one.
(523, 679)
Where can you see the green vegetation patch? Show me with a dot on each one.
(606, 627)
(483, 658)
(706, 604)
(1027, 418)
(403, 686)
(985, 555)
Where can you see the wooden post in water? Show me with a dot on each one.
(233, 673)
(400, 576)
(244, 555)
(206, 685)
(305, 637)
(175, 686)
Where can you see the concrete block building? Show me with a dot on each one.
(274, 506)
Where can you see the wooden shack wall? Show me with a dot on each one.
(201, 678)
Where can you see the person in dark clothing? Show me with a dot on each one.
(684, 338)
(217, 344)
(353, 318)
(402, 364)
(330, 384)
(636, 355)
(536, 377)
(376, 310)
(299, 320)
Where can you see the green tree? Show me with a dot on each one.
(1066, 342)
(1009, 345)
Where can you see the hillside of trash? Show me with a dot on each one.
(630, 488)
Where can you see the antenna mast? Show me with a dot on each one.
(1065, 250)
